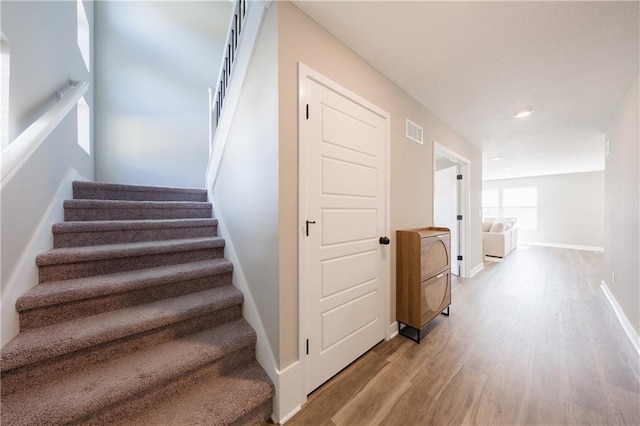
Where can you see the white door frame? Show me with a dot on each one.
(465, 202)
(304, 73)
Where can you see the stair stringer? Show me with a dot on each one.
(288, 381)
(25, 275)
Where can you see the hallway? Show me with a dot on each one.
(531, 340)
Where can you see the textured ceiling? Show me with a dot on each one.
(474, 64)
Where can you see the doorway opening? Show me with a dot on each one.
(451, 203)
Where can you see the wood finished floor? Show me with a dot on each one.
(529, 341)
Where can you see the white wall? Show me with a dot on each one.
(156, 61)
(44, 56)
(622, 201)
(245, 196)
(570, 208)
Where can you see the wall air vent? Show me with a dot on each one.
(414, 132)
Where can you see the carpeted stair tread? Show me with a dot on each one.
(92, 210)
(219, 400)
(130, 225)
(127, 192)
(54, 340)
(99, 387)
(115, 251)
(65, 291)
(88, 233)
(123, 204)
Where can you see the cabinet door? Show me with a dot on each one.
(435, 255)
(435, 296)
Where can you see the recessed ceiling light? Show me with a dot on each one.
(496, 158)
(523, 113)
(508, 169)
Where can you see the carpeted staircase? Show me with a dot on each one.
(135, 320)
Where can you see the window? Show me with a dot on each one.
(84, 39)
(518, 202)
(521, 203)
(84, 125)
(4, 90)
(490, 203)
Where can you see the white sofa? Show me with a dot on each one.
(499, 236)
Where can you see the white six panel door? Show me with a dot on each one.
(346, 197)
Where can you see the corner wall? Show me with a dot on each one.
(44, 56)
(302, 40)
(245, 195)
(570, 208)
(622, 206)
(156, 61)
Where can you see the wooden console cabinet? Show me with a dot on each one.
(423, 278)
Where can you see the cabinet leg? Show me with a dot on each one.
(447, 314)
(409, 332)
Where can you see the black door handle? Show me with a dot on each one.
(385, 240)
(309, 222)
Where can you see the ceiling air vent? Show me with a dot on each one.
(414, 132)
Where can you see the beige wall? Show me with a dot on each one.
(303, 40)
(622, 204)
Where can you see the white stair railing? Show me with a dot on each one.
(244, 29)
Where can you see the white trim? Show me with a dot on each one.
(465, 231)
(5, 78)
(305, 73)
(392, 330)
(302, 265)
(288, 385)
(25, 275)
(631, 333)
(391, 321)
(557, 245)
(264, 353)
(479, 267)
(248, 39)
(22, 147)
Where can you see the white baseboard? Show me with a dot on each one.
(25, 275)
(479, 267)
(290, 392)
(557, 245)
(392, 330)
(622, 318)
(264, 352)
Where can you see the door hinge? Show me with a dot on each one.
(307, 346)
(459, 257)
(459, 217)
(307, 111)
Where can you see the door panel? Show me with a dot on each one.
(345, 272)
(361, 182)
(347, 319)
(343, 226)
(345, 194)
